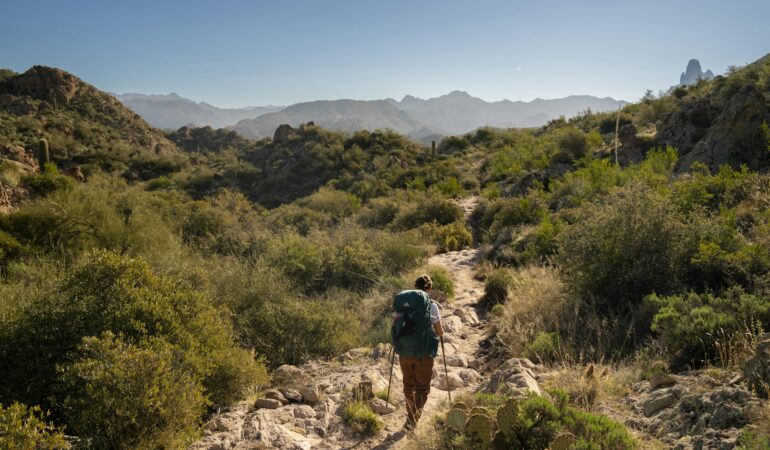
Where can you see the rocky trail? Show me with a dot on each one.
(305, 411)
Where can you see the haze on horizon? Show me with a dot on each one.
(239, 53)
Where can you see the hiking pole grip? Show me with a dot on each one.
(446, 370)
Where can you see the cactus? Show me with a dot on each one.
(433, 148)
(563, 441)
(507, 417)
(455, 419)
(460, 405)
(479, 410)
(479, 429)
(43, 156)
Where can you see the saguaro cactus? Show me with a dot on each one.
(42, 154)
(433, 148)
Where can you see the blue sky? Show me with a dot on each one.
(238, 53)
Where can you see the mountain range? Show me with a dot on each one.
(454, 113)
(173, 111)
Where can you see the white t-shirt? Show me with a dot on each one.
(435, 315)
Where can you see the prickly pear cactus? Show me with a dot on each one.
(564, 441)
(507, 417)
(479, 410)
(479, 429)
(460, 405)
(455, 419)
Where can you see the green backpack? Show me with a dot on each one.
(412, 332)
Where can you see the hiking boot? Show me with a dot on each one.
(409, 425)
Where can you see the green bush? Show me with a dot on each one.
(447, 238)
(24, 428)
(125, 396)
(110, 293)
(630, 245)
(49, 181)
(336, 204)
(442, 281)
(700, 328)
(360, 417)
(438, 210)
(379, 213)
(497, 285)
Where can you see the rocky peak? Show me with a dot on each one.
(693, 73)
(54, 86)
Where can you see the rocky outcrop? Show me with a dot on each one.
(726, 139)
(516, 375)
(692, 410)
(694, 73)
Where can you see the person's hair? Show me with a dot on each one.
(423, 283)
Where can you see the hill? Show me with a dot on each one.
(340, 115)
(172, 111)
(81, 123)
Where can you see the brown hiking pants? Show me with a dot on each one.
(417, 375)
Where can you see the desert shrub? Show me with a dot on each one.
(497, 286)
(515, 211)
(336, 204)
(573, 144)
(442, 281)
(628, 246)
(25, 428)
(9, 248)
(131, 397)
(438, 210)
(399, 252)
(111, 293)
(361, 419)
(301, 258)
(450, 187)
(379, 213)
(49, 181)
(300, 219)
(279, 325)
(700, 328)
(536, 298)
(544, 348)
(447, 238)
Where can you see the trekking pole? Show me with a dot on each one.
(446, 371)
(390, 378)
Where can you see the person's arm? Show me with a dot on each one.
(435, 317)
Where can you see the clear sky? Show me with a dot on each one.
(238, 53)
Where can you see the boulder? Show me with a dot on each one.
(452, 324)
(453, 381)
(660, 400)
(514, 374)
(382, 407)
(275, 394)
(283, 133)
(267, 403)
(309, 394)
(661, 379)
(292, 395)
(457, 360)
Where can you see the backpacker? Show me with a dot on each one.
(412, 332)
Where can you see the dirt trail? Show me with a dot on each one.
(296, 426)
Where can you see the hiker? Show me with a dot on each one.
(416, 332)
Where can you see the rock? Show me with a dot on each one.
(446, 383)
(516, 374)
(457, 360)
(694, 73)
(304, 412)
(267, 403)
(756, 370)
(382, 407)
(287, 375)
(661, 379)
(380, 351)
(452, 324)
(283, 134)
(75, 173)
(660, 400)
(274, 394)
(469, 376)
(292, 395)
(309, 394)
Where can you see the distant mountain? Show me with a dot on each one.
(693, 73)
(458, 112)
(341, 115)
(172, 111)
